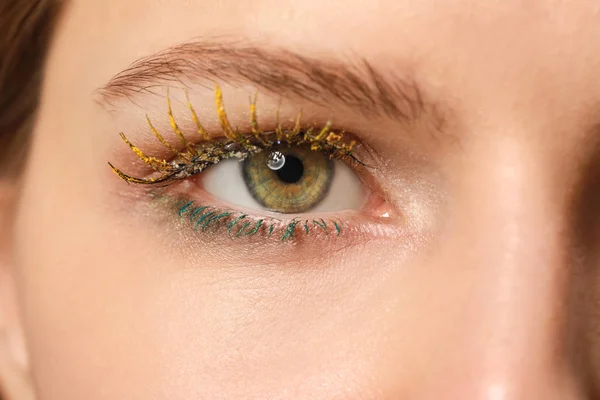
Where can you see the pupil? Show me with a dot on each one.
(292, 171)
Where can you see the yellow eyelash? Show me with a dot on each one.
(278, 129)
(160, 138)
(200, 128)
(254, 121)
(228, 131)
(153, 162)
(194, 159)
(175, 127)
(296, 129)
(323, 132)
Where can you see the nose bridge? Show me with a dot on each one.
(508, 238)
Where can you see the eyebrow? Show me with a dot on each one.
(353, 83)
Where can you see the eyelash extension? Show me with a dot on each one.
(238, 224)
(194, 159)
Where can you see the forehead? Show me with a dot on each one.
(323, 24)
(503, 57)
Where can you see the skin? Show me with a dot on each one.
(491, 290)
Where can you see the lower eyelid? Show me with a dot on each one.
(218, 222)
(318, 249)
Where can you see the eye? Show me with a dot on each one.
(288, 180)
(230, 181)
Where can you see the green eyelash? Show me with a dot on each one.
(194, 159)
(239, 225)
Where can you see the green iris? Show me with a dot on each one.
(288, 179)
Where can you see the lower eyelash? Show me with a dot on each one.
(237, 224)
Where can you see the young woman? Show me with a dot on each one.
(300, 200)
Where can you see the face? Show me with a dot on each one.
(313, 200)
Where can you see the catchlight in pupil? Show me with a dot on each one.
(276, 160)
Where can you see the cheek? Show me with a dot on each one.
(84, 308)
(111, 312)
(114, 308)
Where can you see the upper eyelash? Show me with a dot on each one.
(194, 159)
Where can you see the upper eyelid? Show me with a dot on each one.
(358, 85)
(321, 139)
(194, 127)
